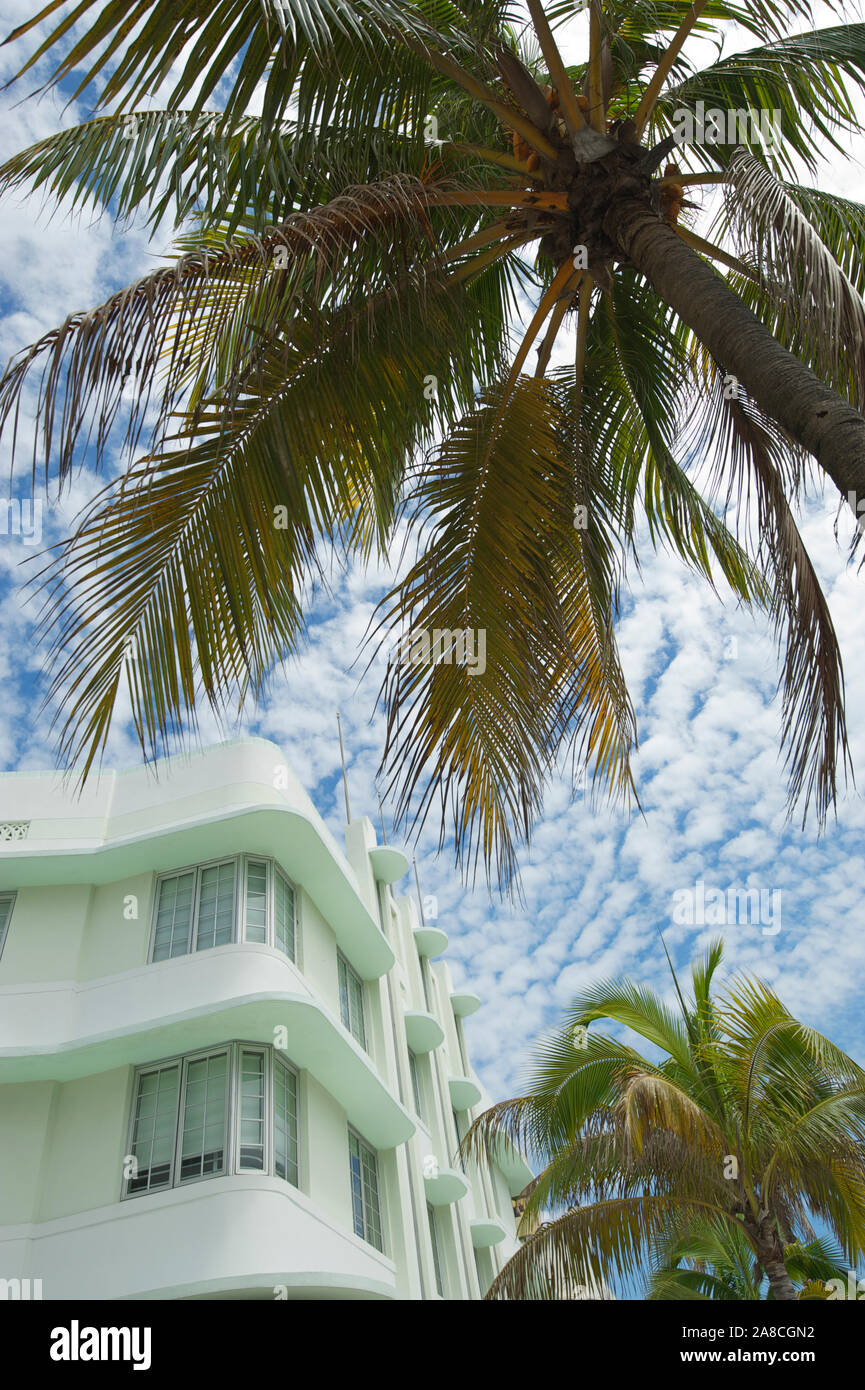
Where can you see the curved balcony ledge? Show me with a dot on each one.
(445, 1187)
(423, 1032)
(486, 1231)
(62, 1032)
(464, 1003)
(289, 834)
(465, 1092)
(514, 1168)
(388, 863)
(231, 1236)
(430, 941)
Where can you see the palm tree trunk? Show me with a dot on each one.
(782, 386)
(770, 1254)
(780, 1284)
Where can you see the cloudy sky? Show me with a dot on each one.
(597, 884)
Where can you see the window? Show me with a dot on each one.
(437, 1264)
(154, 1129)
(252, 1110)
(185, 1126)
(285, 1123)
(244, 899)
(283, 920)
(6, 903)
(205, 1111)
(363, 1166)
(459, 1152)
(415, 1083)
(351, 1000)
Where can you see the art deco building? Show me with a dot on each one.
(229, 1065)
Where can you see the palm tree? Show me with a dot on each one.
(330, 342)
(749, 1120)
(714, 1260)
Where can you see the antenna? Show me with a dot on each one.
(344, 777)
(419, 898)
(381, 813)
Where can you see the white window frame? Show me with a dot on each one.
(439, 1266)
(380, 1193)
(238, 931)
(350, 971)
(4, 931)
(232, 1146)
(416, 1085)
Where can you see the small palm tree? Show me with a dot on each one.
(714, 1260)
(331, 339)
(750, 1120)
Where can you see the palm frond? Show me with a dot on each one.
(809, 296)
(753, 453)
(211, 308)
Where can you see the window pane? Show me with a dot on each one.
(203, 1143)
(252, 1110)
(358, 1027)
(366, 1212)
(459, 1153)
(351, 1001)
(6, 902)
(344, 1010)
(154, 1129)
(285, 1123)
(415, 1083)
(433, 1230)
(356, 1186)
(284, 911)
(216, 907)
(256, 901)
(173, 916)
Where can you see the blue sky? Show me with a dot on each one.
(597, 884)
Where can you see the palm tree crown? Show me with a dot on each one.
(749, 1125)
(330, 342)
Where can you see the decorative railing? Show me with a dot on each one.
(14, 829)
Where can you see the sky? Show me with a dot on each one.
(598, 884)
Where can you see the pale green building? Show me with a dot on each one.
(229, 1064)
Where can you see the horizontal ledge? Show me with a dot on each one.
(446, 1187)
(430, 941)
(464, 1092)
(423, 1031)
(314, 1041)
(388, 863)
(486, 1231)
(464, 1002)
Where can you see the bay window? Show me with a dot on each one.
(229, 1109)
(246, 898)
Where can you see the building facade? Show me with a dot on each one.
(229, 1065)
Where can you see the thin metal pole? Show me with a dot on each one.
(381, 813)
(419, 898)
(344, 776)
